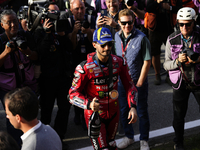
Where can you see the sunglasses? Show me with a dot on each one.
(110, 44)
(125, 22)
(186, 24)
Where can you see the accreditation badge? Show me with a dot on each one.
(114, 94)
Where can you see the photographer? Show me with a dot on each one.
(16, 52)
(182, 60)
(54, 81)
(82, 28)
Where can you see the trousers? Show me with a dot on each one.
(180, 106)
(142, 111)
(55, 89)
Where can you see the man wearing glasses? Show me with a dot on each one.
(134, 46)
(17, 49)
(182, 61)
(98, 77)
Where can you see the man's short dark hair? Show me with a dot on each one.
(7, 12)
(49, 3)
(7, 142)
(24, 102)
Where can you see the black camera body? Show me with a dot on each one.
(19, 42)
(193, 56)
(129, 2)
(165, 1)
(85, 24)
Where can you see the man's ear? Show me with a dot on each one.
(119, 22)
(94, 44)
(18, 118)
(1, 24)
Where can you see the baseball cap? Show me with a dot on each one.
(102, 35)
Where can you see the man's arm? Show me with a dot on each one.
(73, 34)
(131, 91)
(5, 54)
(78, 84)
(144, 73)
(169, 63)
(146, 52)
(137, 12)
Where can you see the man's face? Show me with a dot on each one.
(112, 5)
(126, 23)
(10, 24)
(186, 27)
(103, 50)
(9, 115)
(78, 10)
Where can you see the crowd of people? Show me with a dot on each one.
(100, 63)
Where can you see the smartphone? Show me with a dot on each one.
(103, 12)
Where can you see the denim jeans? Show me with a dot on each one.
(142, 111)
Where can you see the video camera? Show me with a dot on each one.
(193, 56)
(34, 13)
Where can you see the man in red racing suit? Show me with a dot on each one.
(91, 78)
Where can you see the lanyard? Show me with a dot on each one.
(110, 81)
(124, 49)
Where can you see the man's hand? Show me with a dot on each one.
(182, 57)
(94, 105)
(191, 61)
(166, 6)
(25, 51)
(109, 21)
(159, 1)
(84, 30)
(9, 47)
(77, 26)
(132, 115)
(47, 25)
(100, 21)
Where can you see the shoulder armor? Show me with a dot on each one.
(80, 67)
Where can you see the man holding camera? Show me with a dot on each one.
(55, 80)
(82, 28)
(16, 52)
(182, 60)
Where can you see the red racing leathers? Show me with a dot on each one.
(90, 80)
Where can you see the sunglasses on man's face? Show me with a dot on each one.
(186, 24)
(125, 22)
(110, 44)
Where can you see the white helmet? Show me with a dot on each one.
(186, 13)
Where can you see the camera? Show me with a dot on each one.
(165, 1)
(23, 12)
(129, 2)
(193, 56)
(85, 24)
(34, 13)
(19, 42)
